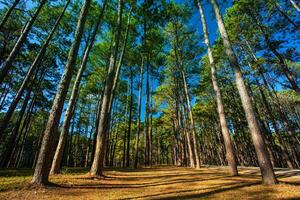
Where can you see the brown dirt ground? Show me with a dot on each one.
(160, 182)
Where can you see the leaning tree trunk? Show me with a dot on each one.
(46, 153)
(104, 124)
(295, 5)
(35, 65)
(15, 51)
(265, 165)
(137, 136)
(56, 163)
(230, 156)
(120, 62)
(269, 111)
(7, 14)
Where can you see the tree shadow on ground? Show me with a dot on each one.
(179, 196)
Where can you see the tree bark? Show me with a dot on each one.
(44, 161)
(265, 165)
(230, 156)
(55, 169)
(104, 124)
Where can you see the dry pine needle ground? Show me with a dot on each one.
(162, 182)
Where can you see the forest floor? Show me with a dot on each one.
(160, 182)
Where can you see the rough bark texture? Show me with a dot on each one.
(46, 153)
(230, 156)
(15, 51)
(55, 169)
(265, 165)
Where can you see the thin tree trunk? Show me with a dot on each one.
(125, 130)
(16, 49)
(147, 142)
(129, 118)
(277, 6)
(189, 107)
(14, 136)
(267, 171)
(104, 124)
(230, 156)
(36, 63)
(295, 5)
(7, 14)
(46, 153)
(137, 135)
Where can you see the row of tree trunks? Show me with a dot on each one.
(104, 124)
(265, 165)
(220, 107)
(6, 66)
(46, 153)
(34, 67)
(55, 169)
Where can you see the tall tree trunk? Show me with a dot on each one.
(147, 121)
(137, 135)
(269, 112)
(129, 118)
(186, 133)
(265, 165)
(125, 130)
(34, 67)
(43, 165)
(7, 14)
(189, 107)
(56, 163)
(19, 43)
(97, 119)
(104, 124)
(280, 109)
(230, 156)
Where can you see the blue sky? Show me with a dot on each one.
(195, 22)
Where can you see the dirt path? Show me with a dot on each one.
(157, 183)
